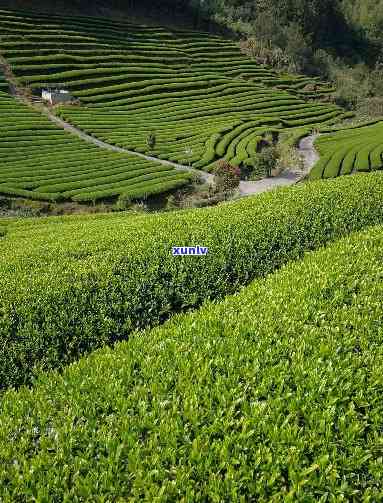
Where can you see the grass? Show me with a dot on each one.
(272, 395)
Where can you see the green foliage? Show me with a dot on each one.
(41, 162)
(366, 14)
(197, 91)
(264, 54)
(267, 160)
(272, 395)
(70, 288)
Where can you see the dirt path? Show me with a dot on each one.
(309, 155)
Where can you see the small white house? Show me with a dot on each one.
(55, 96)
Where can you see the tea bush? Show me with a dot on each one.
(351, 149)
(131, 79)
(274, 394)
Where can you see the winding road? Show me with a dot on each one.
(246, 188)
(309, 156)
(207, 177)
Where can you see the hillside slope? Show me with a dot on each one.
(203, 98)
(349, 150)
(70, 285)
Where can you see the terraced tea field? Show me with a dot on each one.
(202, 97)
(356, 149)
(41, 161)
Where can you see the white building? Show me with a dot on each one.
(55, 96)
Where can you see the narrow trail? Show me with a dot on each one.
(288, 177)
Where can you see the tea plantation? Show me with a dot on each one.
(71, 285)
(40, 161)
(250, 374)
(203, 98)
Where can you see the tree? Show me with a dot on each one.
(267, 160)
(151, 140)
(226, 176)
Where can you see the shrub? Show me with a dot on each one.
(288, 157)
(264, 54)
(151, 141)
(76, 287)
(171, 202)
(226, 176)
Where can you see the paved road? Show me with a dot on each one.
(288, 177)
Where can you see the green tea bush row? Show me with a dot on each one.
(115, 188)
(349, 149)
(272, 395)
(149, 185)
(334, 165)
(68, 289)
(92, 180)
(376, 157)
(39, 196)
(35, 155)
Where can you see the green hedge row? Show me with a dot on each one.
(356, 148)
(28, 194)
(376, 157)
(104, 190)
(69, 289)
(96, 179)
(274, 394)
